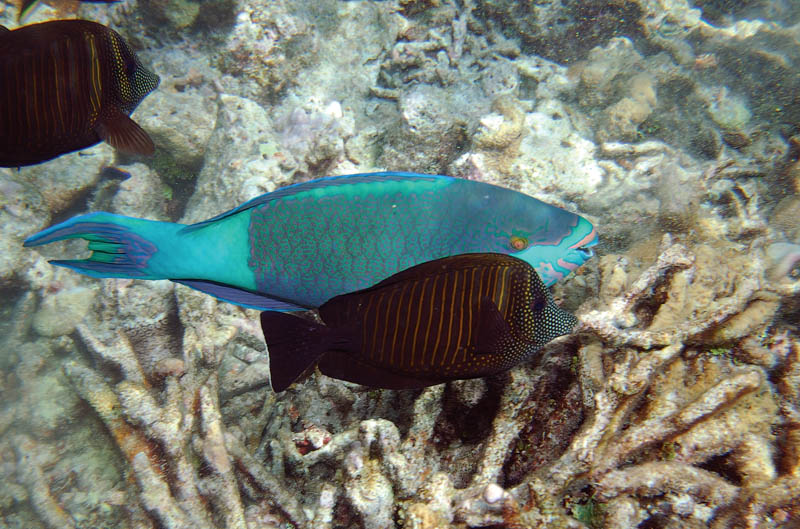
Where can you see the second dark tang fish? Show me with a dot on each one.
(458, 317)
(66, 85)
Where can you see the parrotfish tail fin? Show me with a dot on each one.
(294, 345)
(121, 246)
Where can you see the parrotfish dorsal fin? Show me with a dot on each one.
(328, 181)
(124, 134)
(492, 328)
(4, 29)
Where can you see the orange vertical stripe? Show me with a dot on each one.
(407, 308)
(418, 307)
(435, 350)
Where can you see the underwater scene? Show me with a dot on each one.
(419, 264)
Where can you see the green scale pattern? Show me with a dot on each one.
(303, 248)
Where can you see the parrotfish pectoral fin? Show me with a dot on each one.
(491, 328)
(124, 134)
(294, 344)
(238, 296)
(343, 366)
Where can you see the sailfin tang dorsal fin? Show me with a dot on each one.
(26, 7)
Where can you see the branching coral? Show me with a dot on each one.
(672, 431)
(171, 434)
(669, 430)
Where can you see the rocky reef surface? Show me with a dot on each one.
(674, 126)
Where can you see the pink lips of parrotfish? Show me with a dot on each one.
(586, 241)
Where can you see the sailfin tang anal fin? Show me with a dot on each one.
(346, 367)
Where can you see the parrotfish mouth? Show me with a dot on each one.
(582, 252)
(586, 243)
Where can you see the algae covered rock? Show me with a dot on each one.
(62, 311)
(21, 214)
(434, 128)
(242, 159)
(172, 16)
(143, 194)
(180, 125)
(548, 29)
(729, 111)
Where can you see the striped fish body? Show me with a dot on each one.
(459, 317)
(66, 85)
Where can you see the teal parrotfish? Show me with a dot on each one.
(301, 245)
(463, 316)
(66, 85)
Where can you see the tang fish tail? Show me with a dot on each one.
(121, 246)
(294, 345)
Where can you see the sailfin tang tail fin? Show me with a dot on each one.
(294, 345)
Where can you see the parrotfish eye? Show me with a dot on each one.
(587, 253)
(518, 243)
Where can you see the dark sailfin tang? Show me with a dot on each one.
(66, 85)
(458, 317)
